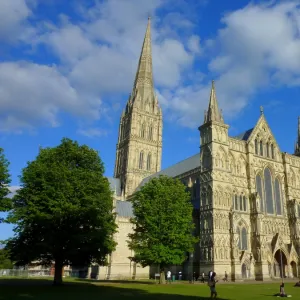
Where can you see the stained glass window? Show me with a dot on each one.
(241, 203)
(272, 151)
(261, 148)
(245, 203)
(141, 161)
(278, 197)
(269, 192)
(236, 204)
(256, 147)
(239, 236)
(244, 239)
(149, 162)
(259, 189)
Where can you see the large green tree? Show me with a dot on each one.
(5, 262)
(163, 224)
(64, 210)
(5, 203)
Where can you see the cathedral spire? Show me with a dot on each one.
(297, 148)
(213, 112)
(143, 83)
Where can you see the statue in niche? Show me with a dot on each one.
(258, 252)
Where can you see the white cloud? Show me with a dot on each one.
(98, 56)
(259, 46)
(13, 15)
(92, 132)
(32, 94)
(13, 189)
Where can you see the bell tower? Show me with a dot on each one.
(139, 146)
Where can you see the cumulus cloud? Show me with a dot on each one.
(13, 17)
(258, 46)
(97, 56)
(92, 132)
(32, 94)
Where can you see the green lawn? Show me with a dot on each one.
(12, 289)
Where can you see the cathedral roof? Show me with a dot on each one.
(179, 168)
(124, 209)
(244, 135)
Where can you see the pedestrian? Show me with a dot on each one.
(212, 285)
(226, 277)
(203, 278)
(169, 277)
(210, 274)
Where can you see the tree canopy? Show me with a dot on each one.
(163, 223)
(64, 210)
(5, 262)
(5, 203)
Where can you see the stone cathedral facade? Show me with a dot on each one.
(245, 191)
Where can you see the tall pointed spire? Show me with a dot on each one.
(297, 147)
(213, 112)
(143, 83)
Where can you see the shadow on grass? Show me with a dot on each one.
(42, 289)
(116, 281)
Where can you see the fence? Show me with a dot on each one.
(24, 273)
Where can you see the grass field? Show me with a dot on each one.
(12, 289)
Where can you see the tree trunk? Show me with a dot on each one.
(162, 278)
(58, 273)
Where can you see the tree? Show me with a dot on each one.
(5, 262)
(163, 224)
(64, 210)
(5, 203)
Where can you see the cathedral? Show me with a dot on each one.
(245, 191)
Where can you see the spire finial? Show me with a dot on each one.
(143, 82)
(213, 112)
(261, 110)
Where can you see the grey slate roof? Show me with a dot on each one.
(124, 209)
(244, 135)
(115, 185)
(181, 167)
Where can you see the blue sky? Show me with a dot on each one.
(67, 68)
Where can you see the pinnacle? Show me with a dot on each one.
(213, 112)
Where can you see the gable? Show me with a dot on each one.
(262, 131)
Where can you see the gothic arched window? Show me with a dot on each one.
(259, 189)
(244, 203)
(261, 148)
(206, 159)
(256, 147)
(236, 203)
(278, 197)
(149, 162)
(150, 133)
(141, 160)
(272, 151)
(244, 239)
(238, 232)
(268, 150)
(269, 192)
(241, 203)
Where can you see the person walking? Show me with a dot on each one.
(203, 278)
(169, 277)
(212, 285)
(226, 277)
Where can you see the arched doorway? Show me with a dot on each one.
(244, 271)
(280, 264)
(294, 269)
